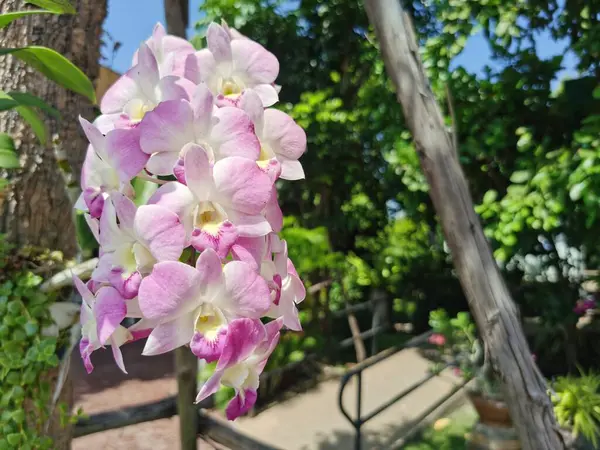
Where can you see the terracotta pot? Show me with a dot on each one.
(491, 412)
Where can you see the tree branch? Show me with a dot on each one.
(489, 299)
(65, 278)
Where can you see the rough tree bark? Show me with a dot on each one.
(186, 364)
(489, 299)
(36, 209)
(177, 16)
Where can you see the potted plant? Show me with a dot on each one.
(459, 347)
(576, 401)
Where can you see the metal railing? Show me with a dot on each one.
(357, 371)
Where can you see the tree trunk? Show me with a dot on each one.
(36, 208)
(177, 16)
(489, 299)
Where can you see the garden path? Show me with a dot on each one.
(308, 421)
(313, 421)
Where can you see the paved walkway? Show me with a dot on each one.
(149, 379)
(308, 421)
(312, 420)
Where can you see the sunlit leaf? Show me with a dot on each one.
(520, 176)
(56, 67)
(7, 102)
(25, 99)
(34, 120)
(56, 6)
(8, 156)
(7, 18)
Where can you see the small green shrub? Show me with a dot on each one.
(576, 402)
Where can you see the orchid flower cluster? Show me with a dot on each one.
(200, 262)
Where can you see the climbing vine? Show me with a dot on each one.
(30, 348)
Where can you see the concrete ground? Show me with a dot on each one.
(149, 379)
(308, 421)
(312, 420)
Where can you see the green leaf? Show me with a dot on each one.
(55, 6)
(7, 102)
(13, 438)
(25, 99)
(143, 190)
(3, 183)
(576, 191)
(490, 196)
(56, 67)
(6, 142)
(8, 157)
(520, 176)
(37, 125)
(596, 92)
(7, 18)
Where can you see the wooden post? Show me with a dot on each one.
(359, 345)
(489, 299)
(380, 315)
(186, 366)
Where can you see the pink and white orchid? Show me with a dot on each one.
(229, 66)
(101, 315)
(141, 89)
(220, 202)
(170, 52)
(247, 347)
(196, 260)
(133, 240)
(280, 137)
(197, 303)
(287, 288)
(221, 132)
(111, 162)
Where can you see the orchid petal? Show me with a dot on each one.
(170, 335)
(234, 134)
(210, 387)
(247, 292)
(169, 291)
(242, 185)
(161, 231)
(109, 310)
(241, 404)
(254, 61)
(198, 171)
(124, 152)
(243, 336)
(167, 128)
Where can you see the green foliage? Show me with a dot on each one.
(576, 401)
(26, 353)
(55, 67)
(55, 6)
(25, 99)
(457, 341)
(7, 18)
(8, 157)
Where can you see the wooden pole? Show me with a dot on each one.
(490, 302)
(186, 367)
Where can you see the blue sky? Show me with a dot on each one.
(131, 21)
